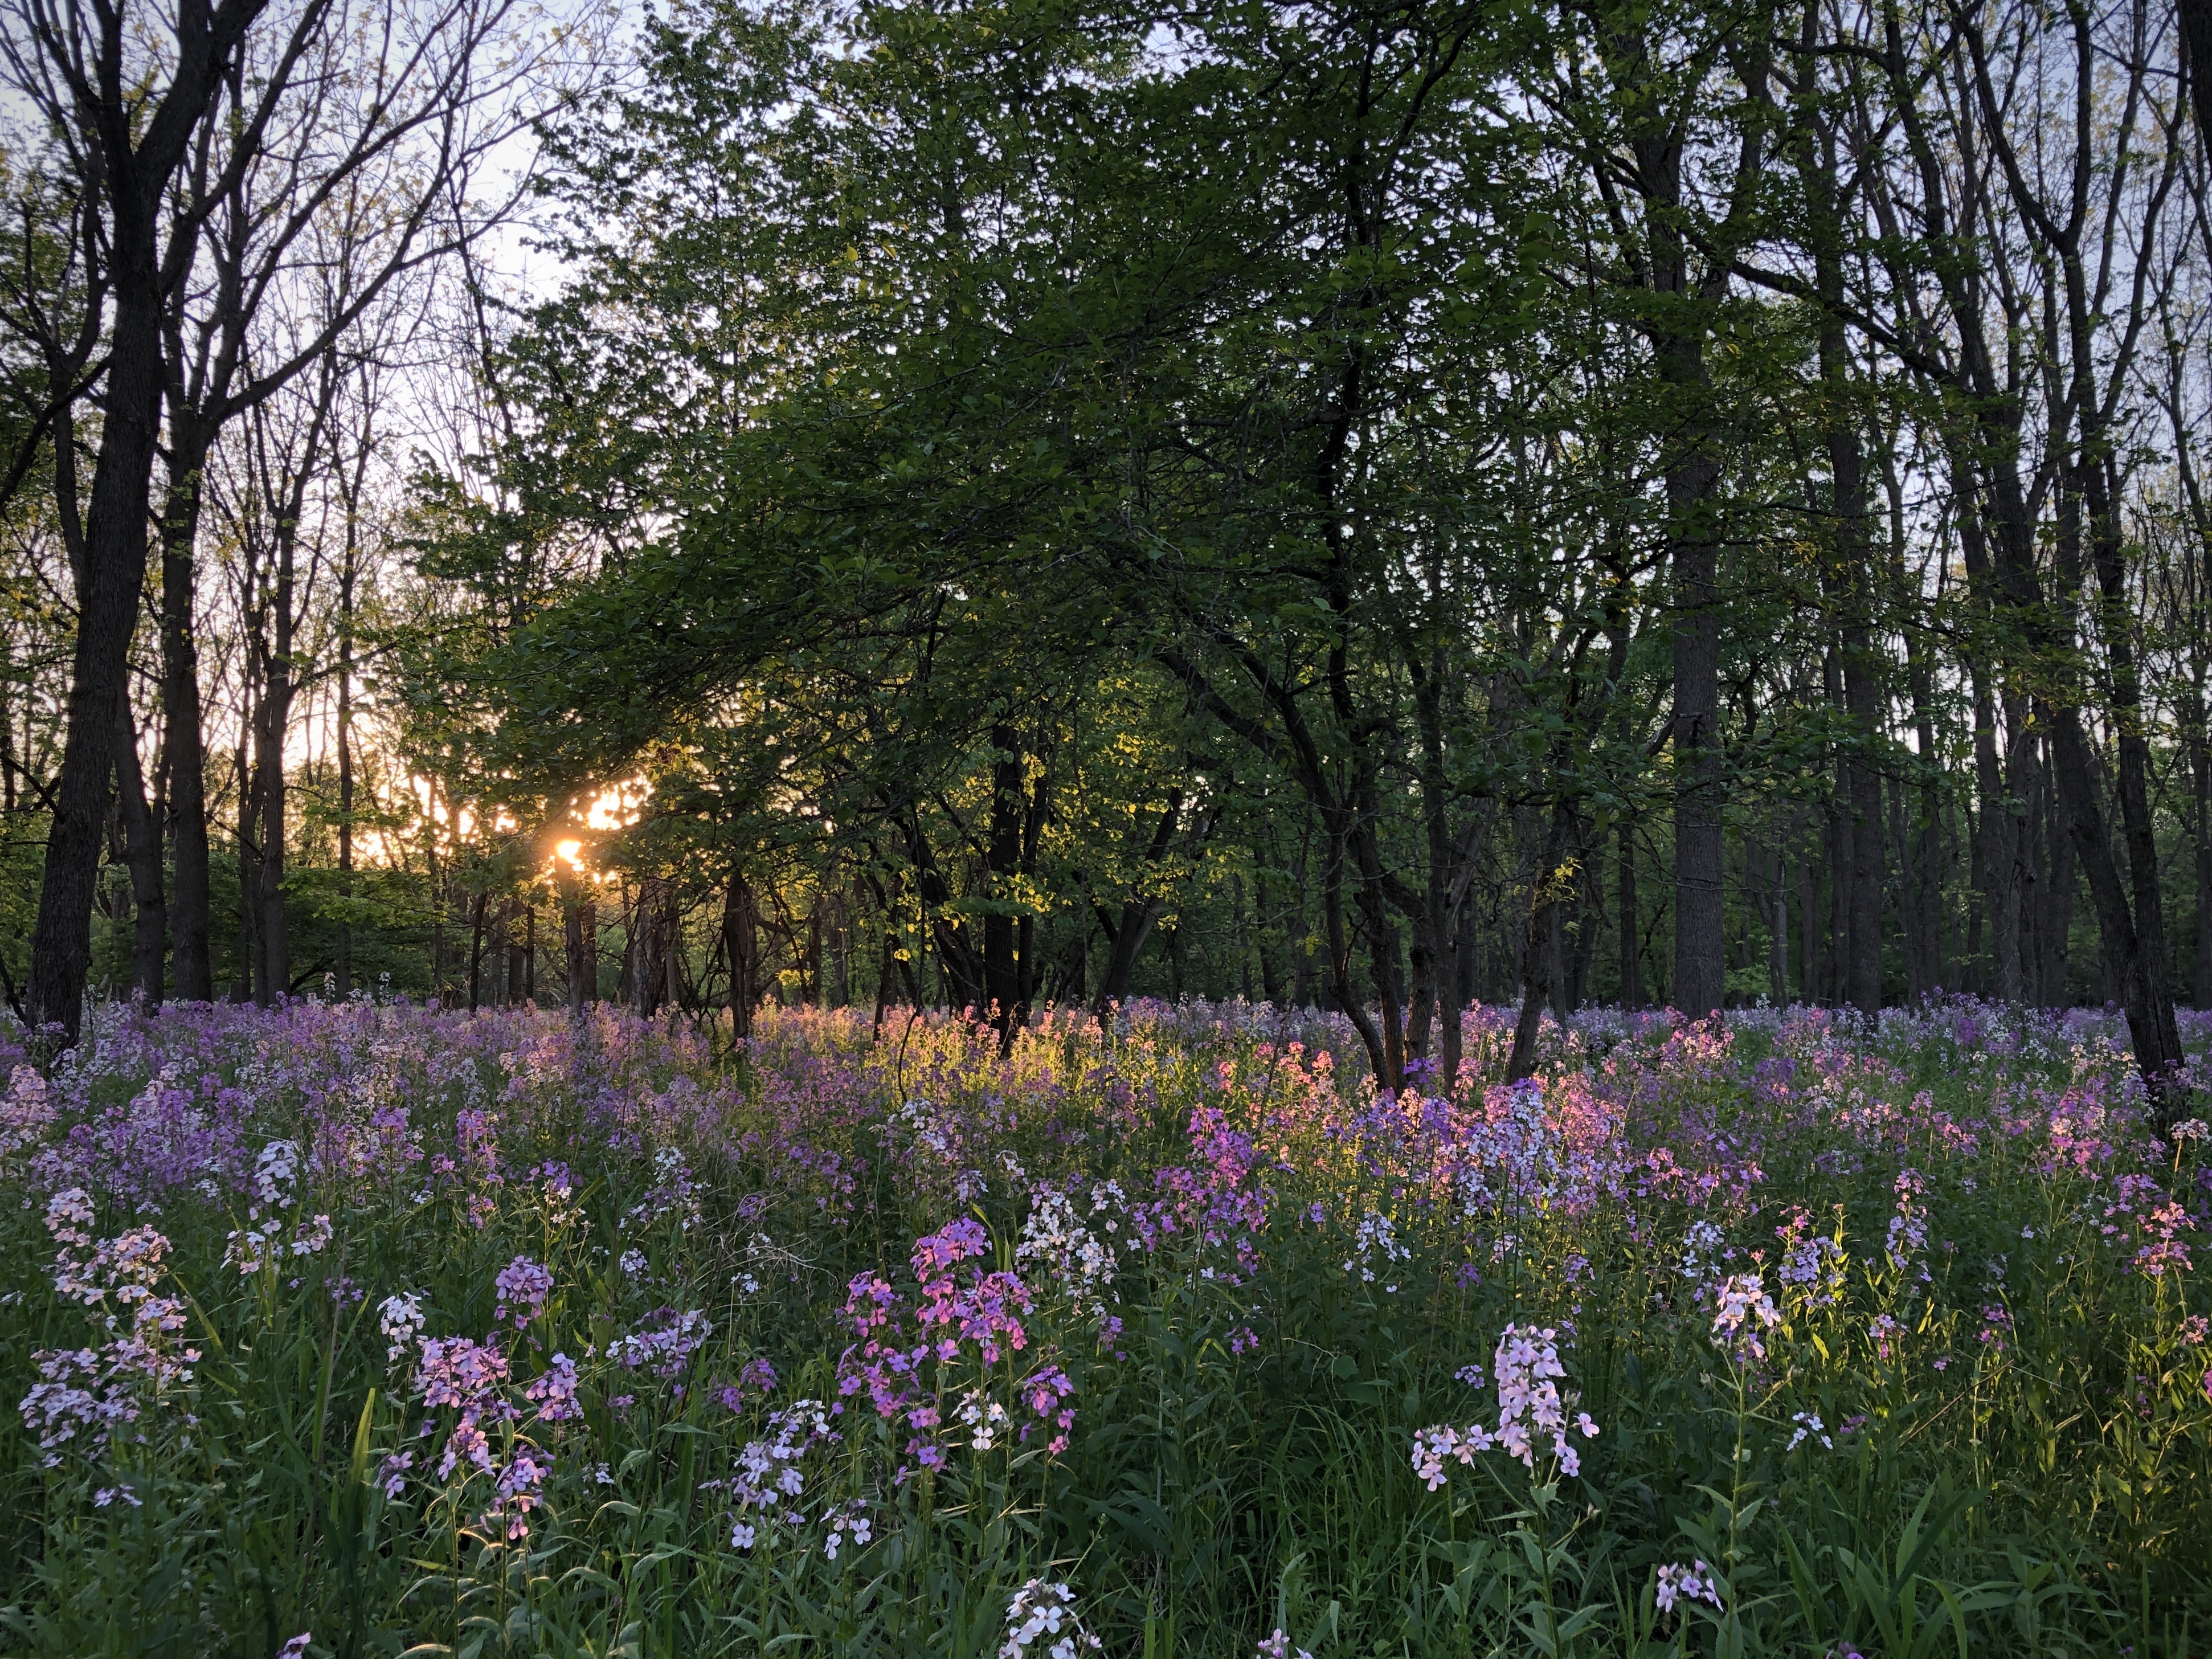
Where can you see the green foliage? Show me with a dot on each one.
(1238, 1459)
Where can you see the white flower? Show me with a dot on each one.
(1529, 1404)
(1376, 1237)
(1746, 1313)
(1808, 1426)
(400, 1318)
(1039, 1609)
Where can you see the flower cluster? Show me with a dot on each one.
(1744, 1313)
(1814, 1267)
(1908, 1227)
(524, 1287)
(1375, 1240)
(1058, 1239)
(454, 1372)
(94, 1392)
(756, 1379)
(553, 1391)
(662, 1342)
(400, 1317)
(1042, 1615)
(770, 1480)
(673, 1196)
(26, 1115)
(943, 1359)
(258, 1247)
(1809, 1427)
(469, 1378)
(1694, 1583)
(1529, 1406)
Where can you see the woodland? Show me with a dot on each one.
(892, 826)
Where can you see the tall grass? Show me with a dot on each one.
(1887, 1337)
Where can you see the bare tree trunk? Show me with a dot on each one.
(741, 946)
(1632, 921)
(517, 969)
(476, 950)
(142, 848)
(580, 928)
(1777, 965)
(182, 713)
(269, 887)
(249, 870)
(2203, 782)
(348, 574)
(107, 612)
(1996, 841)
(1539, 950)
(1808, 921)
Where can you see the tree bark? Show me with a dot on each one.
(348, 574)
(1632, 921)
(579, 939)
(1540, 952)
(139, 146)
(476, 949)
(142, 848)
(182, 713)
(2203, 781)
(741, 949)
(107, 613)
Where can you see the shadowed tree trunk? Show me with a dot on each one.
(741, 949)
(580, 928)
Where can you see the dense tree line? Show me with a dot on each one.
(1387, 505)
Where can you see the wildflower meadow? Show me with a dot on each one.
(364, 1328)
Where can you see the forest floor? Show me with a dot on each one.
(364, 1329)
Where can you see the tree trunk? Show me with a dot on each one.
(347, 576)
(518, 968)
(2154, 1032)
(579, 931)
(741, 949)
(476, 950)
(249, 871)
(1700, 973)
(1344, 994)
(1539, 950)
(182, 715)
(274, 940)
(1808, 921)
(1632, 921)
(1996, 838)
(1138, 915)
(1271, 970)
(142, 846)
(2203, 781)
(1777, 965)
(107, 614)
(1842, 859)
(1002, 967)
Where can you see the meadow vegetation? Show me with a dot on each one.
(357, 1329)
